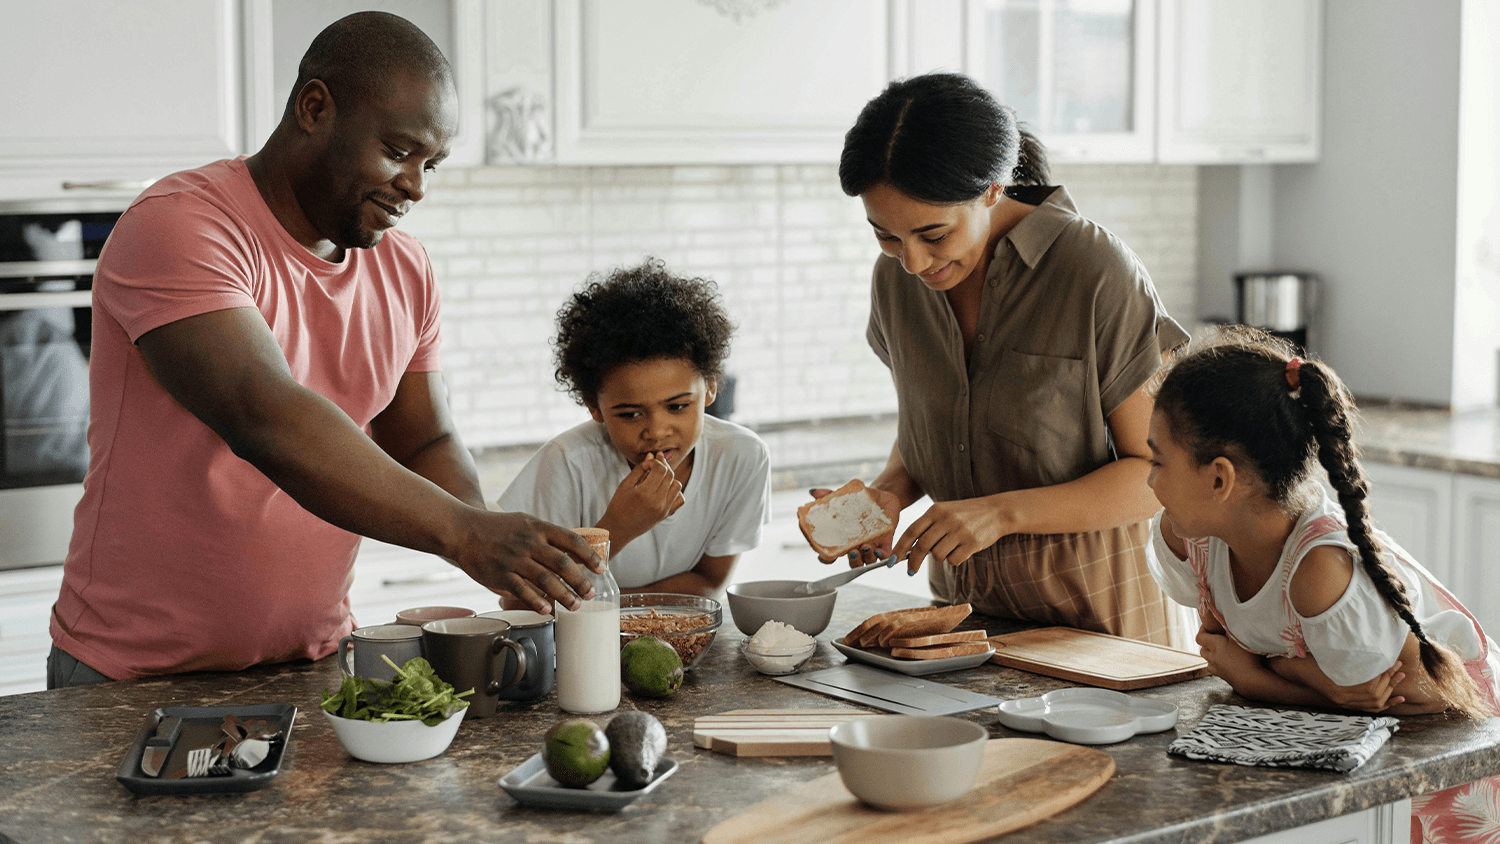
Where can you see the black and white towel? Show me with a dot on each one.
(1277, 739)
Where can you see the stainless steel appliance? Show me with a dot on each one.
(48, 250)
(1283, 303)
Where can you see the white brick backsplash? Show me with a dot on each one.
(791, 255)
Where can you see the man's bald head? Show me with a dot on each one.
(357, 57)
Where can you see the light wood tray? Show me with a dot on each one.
(1095, 659)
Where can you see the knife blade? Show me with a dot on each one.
(160, 744)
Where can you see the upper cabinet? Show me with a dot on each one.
(103, 97)
(1080, 73)
(1241, 82)
(132, 91)
(681, 81)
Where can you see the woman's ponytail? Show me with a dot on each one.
(1031, 161)
(1329, 407)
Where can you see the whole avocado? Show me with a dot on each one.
(636, 744)
(576, 752)
(650, 667)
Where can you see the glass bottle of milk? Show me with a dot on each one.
(588, 641)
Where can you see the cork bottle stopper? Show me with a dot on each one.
(597, 538)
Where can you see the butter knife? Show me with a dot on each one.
(834, 580)
(159, 745)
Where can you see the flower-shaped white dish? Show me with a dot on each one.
(1088, 716)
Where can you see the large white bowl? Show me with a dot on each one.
(757, 602)
(394, 741)
(901, 762)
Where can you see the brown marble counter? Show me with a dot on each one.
(1466, 441)
(59, 751)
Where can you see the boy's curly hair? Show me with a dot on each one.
(635, 314)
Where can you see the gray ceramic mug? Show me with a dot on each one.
(470, 653)
(535, 633)
(360, 652)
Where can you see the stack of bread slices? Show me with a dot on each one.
(919, 633)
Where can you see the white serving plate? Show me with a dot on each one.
(529, 783)
(913, 667)
(1088, 716)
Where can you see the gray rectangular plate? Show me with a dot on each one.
(913, 667)
(889, 691)
(201, 726)
(529, 783)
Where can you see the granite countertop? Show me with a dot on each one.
(1463, 441)
(59, 751)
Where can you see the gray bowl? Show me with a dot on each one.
(902, 762)
(753, 604)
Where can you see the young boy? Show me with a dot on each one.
(682, 494)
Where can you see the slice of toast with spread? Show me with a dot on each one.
(844, 520)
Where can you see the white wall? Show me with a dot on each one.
(790, 252)
(1476, 330)
(1376, 216)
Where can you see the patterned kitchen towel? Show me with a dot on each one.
(1277, 739)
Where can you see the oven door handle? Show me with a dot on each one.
(110, 184)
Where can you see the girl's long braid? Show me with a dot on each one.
(1328, 415)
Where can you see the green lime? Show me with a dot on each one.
(650, 667)
(576, 752)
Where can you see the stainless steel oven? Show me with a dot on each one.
(48, 250)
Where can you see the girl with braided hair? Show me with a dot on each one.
(1303, 601)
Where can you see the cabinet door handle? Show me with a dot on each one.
(421, 579)
(110, 184)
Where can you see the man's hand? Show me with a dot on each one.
(536, 561)
(650, 493)
(881, 549)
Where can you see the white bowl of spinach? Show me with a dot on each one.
(413, 717)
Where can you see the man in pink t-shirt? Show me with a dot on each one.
(264, 390)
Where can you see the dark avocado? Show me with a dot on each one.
(636, 744)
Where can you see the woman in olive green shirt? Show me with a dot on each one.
(1020, 336)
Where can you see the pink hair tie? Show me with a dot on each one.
(1292, 377)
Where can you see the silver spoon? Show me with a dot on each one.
(842, 577)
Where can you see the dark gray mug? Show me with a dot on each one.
(368, 644)
(535, 633)
(471, 653)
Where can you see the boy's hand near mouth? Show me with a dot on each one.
(650, 493)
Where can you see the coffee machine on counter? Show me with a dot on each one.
(1283, 303)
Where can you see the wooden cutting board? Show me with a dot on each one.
(1021, 782)
(1097, 659)
(771, 732)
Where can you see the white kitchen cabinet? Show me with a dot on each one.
(100, 98)
(1415, 508)
(1240, 82)
(1450, 523)
(26, 598)
(280, 31)
(681, 81)
(1476, 547)
(1388, 824)
(1080, 73)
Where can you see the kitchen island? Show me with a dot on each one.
(59, 751)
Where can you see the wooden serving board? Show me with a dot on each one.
(1097, 659)
(771, 732)
(1020, 782)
